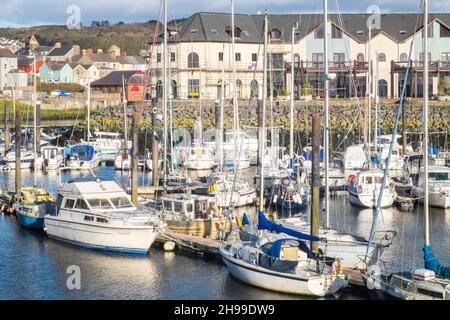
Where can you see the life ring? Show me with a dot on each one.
(437, 187)
(352, 179)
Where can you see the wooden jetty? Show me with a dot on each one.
(192, 244)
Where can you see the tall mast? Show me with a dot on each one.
(377, 105)
(291, 131)
(263, 118)
(35, 119)
(89, 112)
(326, 113)
(369, 98)
(165, 92)
(125, 116)
(425, 126)
(222, 110)
(235, 102)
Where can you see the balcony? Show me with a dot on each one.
(334, 66)
(417, 66)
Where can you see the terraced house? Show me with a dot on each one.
(200, 55)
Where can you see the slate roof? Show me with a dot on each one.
(113, 79)
(59, 52)
(55, 66)
(211, 27)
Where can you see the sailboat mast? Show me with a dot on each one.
(165, 92)
(326, 113)
(291, 131)
(263, 118)
(425, 126)
(35, 119)
(89, 112)
(222, 111)
(369, 97)
(377, 105)
(125, 116)
(235, 102)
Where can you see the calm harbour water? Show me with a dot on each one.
(34, 267)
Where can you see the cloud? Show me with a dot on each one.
(32, 12)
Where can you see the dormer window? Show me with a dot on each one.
(237, 31)
(402, 33)
(275, 34)
(194, 31)
(360, 33)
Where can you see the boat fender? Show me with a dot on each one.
(239, 222)
(351, 179)
(334, 266)
(437, 187)
(169, 246)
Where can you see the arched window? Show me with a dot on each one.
(254, 89)
(296, 61)
(193, 60)
(403, 57)
(360, 58)
(159, 89)
(239, 88)
(275, 34)
(381, 57)
(219, 89)
(382, 88)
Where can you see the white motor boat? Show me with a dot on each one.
(364, 189)
(8, 162)
(199, 158)
(438, 186)
(82, 157)
(99, 215)
(108, 144)
(51, 158)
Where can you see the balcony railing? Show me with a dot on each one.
(434, 66)
(334, 66)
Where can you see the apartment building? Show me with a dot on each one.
(200, 55)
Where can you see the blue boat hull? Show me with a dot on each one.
(293, 206)
(31, 222)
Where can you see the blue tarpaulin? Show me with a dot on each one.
(433, 264)
(264, 224)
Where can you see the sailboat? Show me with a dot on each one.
(432, 281)
(33, 204)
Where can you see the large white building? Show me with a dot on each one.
(200, 55)
(8, 62)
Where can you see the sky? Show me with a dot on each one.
(23, 13)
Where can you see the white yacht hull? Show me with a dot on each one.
(82, 165)
(369, 200)
(286, 283)
(131, 239)
(199, 164)
(436, 199)
(239, 199)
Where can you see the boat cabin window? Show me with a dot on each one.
(88, 218)
(439, 176)
(69, 203)
(167, 205)
(121, 202)
(100, 204)
(81, 204)
(189, 207)
(178, 206)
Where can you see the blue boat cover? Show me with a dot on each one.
(264, 224)
(433, 264)
(433, 151)
(275, 249)
(308, 156)
(88, 152)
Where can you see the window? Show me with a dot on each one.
(445, 56)
(172, 57)
(193, 88)
(254, 57)
(439, 176)
(178, 206)
(220, 56)
(360, 33)
(317, 59)
(275, 34)
(339, 59)
(336, 33)
(88, 218)
(254, 89)
(360, 58)
(158, 57)
(421, 57)
(193, 60)
(81, 204)
(189, 207)
(69, 203)
(402, 33)
(403, 57)
(238, 56)
(237, 31)
(121, 202)
(381, 57)
(100, 204)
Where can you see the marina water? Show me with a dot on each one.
(35, 267)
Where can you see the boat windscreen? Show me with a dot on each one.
(100, 204)
(121, 202)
